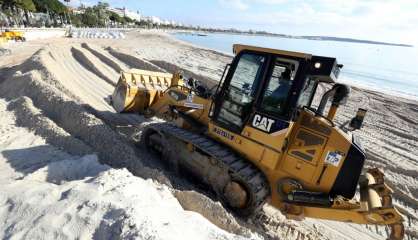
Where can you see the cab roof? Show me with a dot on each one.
(237, 48)
(324, 69)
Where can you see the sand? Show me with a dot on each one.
(47, 193)
(54, 94)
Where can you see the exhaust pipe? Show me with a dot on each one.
(339, 93)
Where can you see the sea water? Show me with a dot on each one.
(390, 69)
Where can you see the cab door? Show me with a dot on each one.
(274, 109)
(270, 122)
(234, 103)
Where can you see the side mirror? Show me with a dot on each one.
(357, 121)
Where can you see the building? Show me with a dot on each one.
(154, 20)
(79, 10)
(123, 12)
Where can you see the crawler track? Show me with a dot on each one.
(229, 166)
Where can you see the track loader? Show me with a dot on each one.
(256, 136)
(13, 35)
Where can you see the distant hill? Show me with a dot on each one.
(325, 38)
(317, 38)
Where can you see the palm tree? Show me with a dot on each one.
(27, 6)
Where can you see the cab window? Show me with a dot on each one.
(241, 92)
(279, 86)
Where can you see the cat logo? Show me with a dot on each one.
(262, 123)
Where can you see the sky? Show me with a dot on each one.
(380, 20)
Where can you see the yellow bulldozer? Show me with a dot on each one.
(256, 137)
(13, 35)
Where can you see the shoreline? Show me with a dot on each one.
(383, 91)
(311, 38)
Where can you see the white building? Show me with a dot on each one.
(154, 20)
(158, 21)
(123, 12)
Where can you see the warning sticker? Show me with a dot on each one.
(333, 158)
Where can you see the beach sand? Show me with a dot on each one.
(57, 89)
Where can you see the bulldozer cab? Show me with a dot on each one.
(265, 87)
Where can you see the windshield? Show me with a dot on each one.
(241, 92)
(307, 93)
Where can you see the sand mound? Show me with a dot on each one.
(84, 61)
(48, 106)
(170, 67)
(212, 211)
(72, 117)
(67, 170)
(32, 118)
(111, 63)
(134, 62)
(86, 200)
(56, 117)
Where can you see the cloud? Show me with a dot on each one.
(234, 4)
(272, 2)
(387, 20)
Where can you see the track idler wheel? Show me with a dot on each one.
(236, 195)
(155, 141)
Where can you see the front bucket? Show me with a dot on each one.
(137, 89)
(125, 99)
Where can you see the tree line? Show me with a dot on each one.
(24, 12)
(53, 13)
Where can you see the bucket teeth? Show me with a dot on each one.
(137, 89)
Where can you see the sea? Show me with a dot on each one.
(384, 68)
